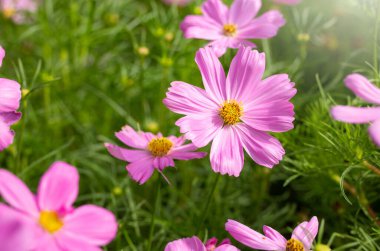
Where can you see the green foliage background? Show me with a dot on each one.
(80, 62)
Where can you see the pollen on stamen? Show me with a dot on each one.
(231, 112)
(229, 30)
(160, 146)
(294, 245)
(50, 221)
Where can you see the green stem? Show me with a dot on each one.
(207, 206)
(152, 222)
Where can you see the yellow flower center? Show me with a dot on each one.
(294, 245)
(8, 13)
(230, 112)
(229, 30)
(160, 146)
(50, 221)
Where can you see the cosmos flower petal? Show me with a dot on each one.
(215, 10)
(126, 154)
(288, 2)
(249, 237)
(306, 232)
(226, 247)
(161, 162)
(243, 11)
(200, 129)
(227, 156)
(185, 152)
(186, 244)
(188, 99)
(275, 236)
(10, 95)
(201, 27)
(51, 196)
(213, 75)
(91, 224)
(355, 115)
(67, 241)
(10, 118)
(265, 26)
(362, 88)
(6, 136)
(246, 71)
(17, 194)
(131, 138)
(141, 170)
(2, 55)
(374, 132)
(47, 242)
(264, 149)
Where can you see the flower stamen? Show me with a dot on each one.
(50, 221)
(294, 245)
(229, 30)
(160, 146)
(230, 112)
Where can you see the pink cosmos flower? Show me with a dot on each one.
(153, 152)
(56, 224)
(302, 237)
(288, 2)
(177, 2)
(10, 95)
(16, 9)
(230, 28)
(195, 244)
(362, 88)
(236, 111)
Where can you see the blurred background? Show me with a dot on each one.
(89, 67)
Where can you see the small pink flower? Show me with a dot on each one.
(153, 152)
(302, 237)
(10, 95)
(195, 244)
(17, 9)
(236, 111)
(288, 2)
(56, 224)
(230, 28)
(177, 2)
(362, 88)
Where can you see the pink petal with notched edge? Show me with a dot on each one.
(243, 11)
(131, 138)
(6, 136)
(275, 236)
(17, 194)
(215, 10)
(201, 27)
(126, 154)
(185, 152)
(227, 156)
(251, 238)
(288, 2)
(10, 118)
(362, 88)
(214, 78)
(265, 26)
(374, 132)
(306, 232)
(90, 224)
(245, 73)
(186, 244)
(161, 162)
(141, 170)
(2, 55)
(264, 149)
(355, 115)
(177, 141)
(270, 108)
(10, 95)
(50, 195)
(187, 99)
(200, 129)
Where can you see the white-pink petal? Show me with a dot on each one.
(186, 244)
(141, 170)
(126, 154)
(10, 95)
(362, 88)
(243, 11)
(355, 115)
(374, 132)
(306, 232)
(131, 138)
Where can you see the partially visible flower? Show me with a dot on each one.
(231, 27)
(10, 95)
(195, 244)
(56, 224)
(234, 112)
(288, 2)
(17, 9)
(302, 236)
(153, 152)
(365, 90)
(177, 2)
